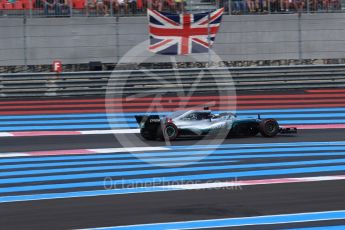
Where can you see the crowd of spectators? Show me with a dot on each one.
(90, 7)
(105, 7)
(58, 7)
(279, 6)
(131, 7)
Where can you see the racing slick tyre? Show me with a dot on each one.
(170, 132)
(269, 127)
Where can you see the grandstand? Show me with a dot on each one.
(70, 8)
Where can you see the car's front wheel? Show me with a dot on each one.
(269, 127)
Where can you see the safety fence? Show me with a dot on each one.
(171, 81)
(72, 8)
(265, 38)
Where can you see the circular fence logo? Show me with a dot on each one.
(135, 93)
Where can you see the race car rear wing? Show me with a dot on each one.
(148, 121)
(147, 118)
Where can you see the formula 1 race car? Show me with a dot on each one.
(203, 122)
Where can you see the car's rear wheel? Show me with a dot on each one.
(269, 127)
(170, 132)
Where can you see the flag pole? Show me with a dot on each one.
(209, 39)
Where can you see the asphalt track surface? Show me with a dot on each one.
(312, 153)
(23, 144)
(140, 208)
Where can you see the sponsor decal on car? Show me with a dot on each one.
(157, 120)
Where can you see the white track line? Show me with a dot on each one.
(114, 131)
(82, 151)
(238, 184)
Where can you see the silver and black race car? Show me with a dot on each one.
(203, 122)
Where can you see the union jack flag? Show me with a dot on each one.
(175, 34)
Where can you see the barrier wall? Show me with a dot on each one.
(38, 41)
(180, 81)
